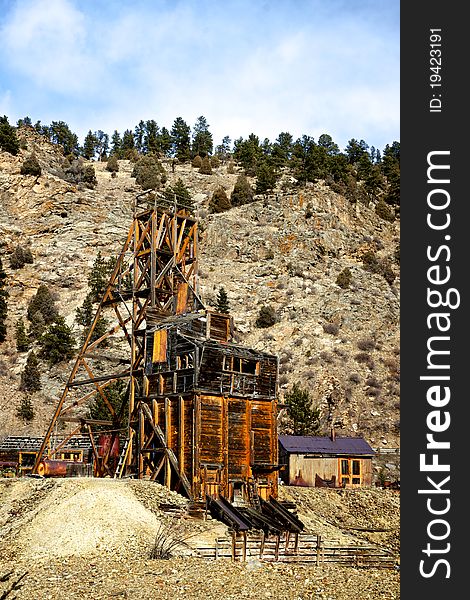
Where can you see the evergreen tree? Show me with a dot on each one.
(31, 166)
(57, 343)
(151, 139)
(266, 177)
(116, 394)
(266, 317)
(8, 138)
(242, 192)
(25, 410)
(139, 132)
(205, 167)
(31, 377)
(90, 145)
(24, 122)
(116, 144)
(43, 303)
(391, 170)
(98, 277)
(112, 164)
(102, 146)
(196, 162)
(84, 316)
(127, 144)
(149, 172)
(202, 138)
(281, 151)
(223, 149)
(222, 301)
(20, 256)
(181, 143)
(183, 196)
(61, 134)
(3, 303)
(165, 141)
(248, 153)
(305, 418)
(219, 201)
(22, 340)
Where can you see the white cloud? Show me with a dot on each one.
(46, 41)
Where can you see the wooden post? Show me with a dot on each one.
(234, 545)
(261, 548)
(216, 548)
(244, 546)
(296, 543)
(287, 540)
(140, 445)
(276, 549)
(318, 548)
(181, 433)
(167, 441)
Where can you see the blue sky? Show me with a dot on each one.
(263, 67)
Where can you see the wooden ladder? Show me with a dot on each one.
(123, 457)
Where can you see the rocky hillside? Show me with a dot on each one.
(285, 250)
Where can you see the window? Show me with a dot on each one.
(350, 470)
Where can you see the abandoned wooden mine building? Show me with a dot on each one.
(199, 411)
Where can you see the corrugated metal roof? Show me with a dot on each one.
(305, 444)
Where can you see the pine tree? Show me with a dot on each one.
(265, 177)
(222, 301)
(31, 166)
(112, 164)
(181, 143)
(181, 192)
(116, 144)
(3, 303)
(22, 340)
(84, 316)
(219, 201)
(149, 172)
(61, 134)
(205, 167)
(266, 317)
(43, 303)
(89, 145)
(31, 377)
(8, 138)
(25, 410)
(98, 277)
(116, 394)
(305, 418)
(57, 343)
(202, 138)
(242, 192)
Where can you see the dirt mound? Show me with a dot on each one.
(98, 519)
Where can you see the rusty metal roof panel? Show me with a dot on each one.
(306, 444)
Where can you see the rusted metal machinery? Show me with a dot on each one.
(199, 412)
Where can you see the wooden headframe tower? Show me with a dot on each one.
(197, 412)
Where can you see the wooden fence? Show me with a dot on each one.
(298, 548)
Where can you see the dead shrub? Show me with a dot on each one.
(366, 345)
(170, 538)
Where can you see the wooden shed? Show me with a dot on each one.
(322, 461)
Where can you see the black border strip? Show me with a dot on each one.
(434, 231)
